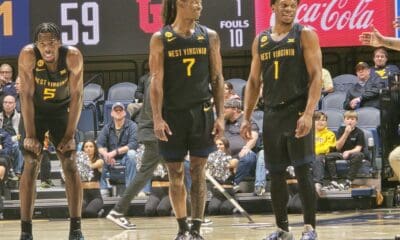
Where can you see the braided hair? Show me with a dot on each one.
(169, 11)
(48, 27)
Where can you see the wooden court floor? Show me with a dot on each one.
(355, 225)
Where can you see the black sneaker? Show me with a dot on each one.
(120, 220)
(195, 235)
(26, 236)
(182, 236)
(76, 235)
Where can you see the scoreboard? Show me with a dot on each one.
(120, 27)
(116, 27)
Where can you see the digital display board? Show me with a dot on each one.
(14, 26)
(121, 27)
(118, 27)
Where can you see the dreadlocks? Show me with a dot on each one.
(169, 11)
(48, 28)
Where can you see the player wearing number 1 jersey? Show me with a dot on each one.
(51, 100)
(287, 58)
(184, 59)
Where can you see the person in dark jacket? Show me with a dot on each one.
(365, 93)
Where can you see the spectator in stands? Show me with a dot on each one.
(9, 121)
(6, 80)
(134, 108)
(381, 69)
(5, 150)
(327, 83)
(223, 152)
(92, 205)
(45, 164)
(117, 143)
(222, 167)
(229, 92)
(365, 93)
(325, 142)
(240, 148)
(349, 146)
(17, 89)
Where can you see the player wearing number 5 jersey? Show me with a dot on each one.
(287, 58)
(51, 100)
(184, 59)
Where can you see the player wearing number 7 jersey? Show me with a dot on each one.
(287, 58)
(51, 100)
(184, 59)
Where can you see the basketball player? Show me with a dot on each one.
(375, 39)
(184, 59)
(287, 58)
(51, 100)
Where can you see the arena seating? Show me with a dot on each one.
(344, 82)
(333, 101)
(121, 92)
(238, 85)
(335, 119)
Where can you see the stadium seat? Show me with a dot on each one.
(88, 120)
(122, 92)
(344, 82)
(93, 92)
(335, 119)
(370, 118)
(238, 86)
(333, 100)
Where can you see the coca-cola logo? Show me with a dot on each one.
(337, 22)
(334, 15)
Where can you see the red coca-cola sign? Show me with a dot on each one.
(337, 22)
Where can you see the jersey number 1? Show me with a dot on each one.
(276, 72)
(190, 62)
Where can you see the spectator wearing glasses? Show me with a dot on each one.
(7, 83)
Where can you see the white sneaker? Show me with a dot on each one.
(120, 220)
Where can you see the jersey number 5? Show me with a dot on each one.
(49, 93)
(190, 62)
